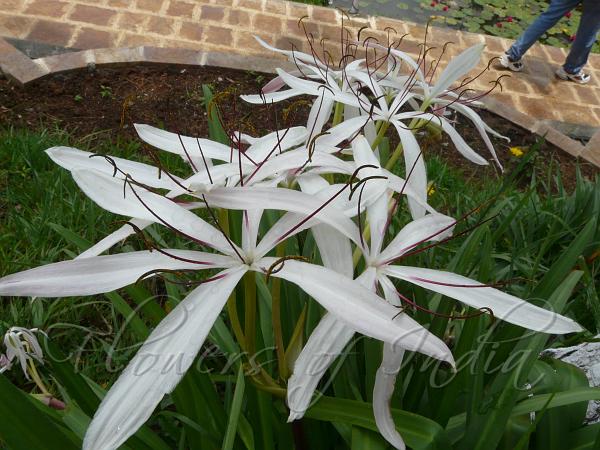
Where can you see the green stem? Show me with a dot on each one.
(231, 301)
(35, 376)
(414, 125)
(250, 313)
(397, 153)
(276, 317)
(270, 388)
(380, 134)
(337, 115)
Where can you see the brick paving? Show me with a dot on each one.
(227, 26)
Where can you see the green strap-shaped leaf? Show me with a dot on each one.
(485, 431)
(236, 409)
(23, 426)
(537, 402)
(418, 432)
(367, 440)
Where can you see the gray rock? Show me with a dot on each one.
(587, 358)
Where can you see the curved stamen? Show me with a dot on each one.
(177, 273)
(218, 225)
(204, 160)
(152, 247)
(277, 266)
(416, 306)
(187, 155)
(443, 241)
(363, 182)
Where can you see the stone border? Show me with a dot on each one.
(19, 68)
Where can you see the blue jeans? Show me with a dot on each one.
(584, 40)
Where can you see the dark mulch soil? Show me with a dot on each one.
(106, 102)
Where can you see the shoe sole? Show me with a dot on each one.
(568, 78)
(511, 68)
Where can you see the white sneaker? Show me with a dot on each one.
(515, 66)
(579, 77)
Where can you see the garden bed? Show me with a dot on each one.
(104, 103)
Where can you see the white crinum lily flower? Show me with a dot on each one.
(331, 86)
(403, 121)
(331, 336)
(22, 345)
(270, 157)
(152, 372)
(439, 96)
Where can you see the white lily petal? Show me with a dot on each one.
(363, 155)
(385, 382)
(460, 144)
(115, 237)
(285, 200)
(377, 213)
(251, 222)
(473, 293)
(370, 83)
(302, 85)
(343, 131)
(416, 67)
(389, 290)
(320, 112)
(457, 68)
(108, 193)
(277, 83)
(326, 342)
(72, 158)
(399, 101)
(281, 227)
(360, 308)
(350, 112)
(276, 142)
(397, 184)
(334, 248)
(159, 365)
(170, 142)
(481, 127)
(342, 201)
(292, 54)
(16, 349)
(217, 176)
(270, 97)
(432, 227)
(416, 175)
(294, 159)
(100, 274)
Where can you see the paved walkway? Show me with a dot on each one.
(228, 26)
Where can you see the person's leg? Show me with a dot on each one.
(546, 20)
(586, 36)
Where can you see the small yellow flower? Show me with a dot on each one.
(430, 189)
(517, 151)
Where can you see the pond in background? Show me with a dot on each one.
(505, 18)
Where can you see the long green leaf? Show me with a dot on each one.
(486, 429)
(367, 440)
(234, 414)
(418, 432)
(25, 427)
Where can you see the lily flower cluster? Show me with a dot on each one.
(328, 178)
(22, 345)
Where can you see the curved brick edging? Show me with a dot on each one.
(21, 69)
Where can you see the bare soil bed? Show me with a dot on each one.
(104, 103)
